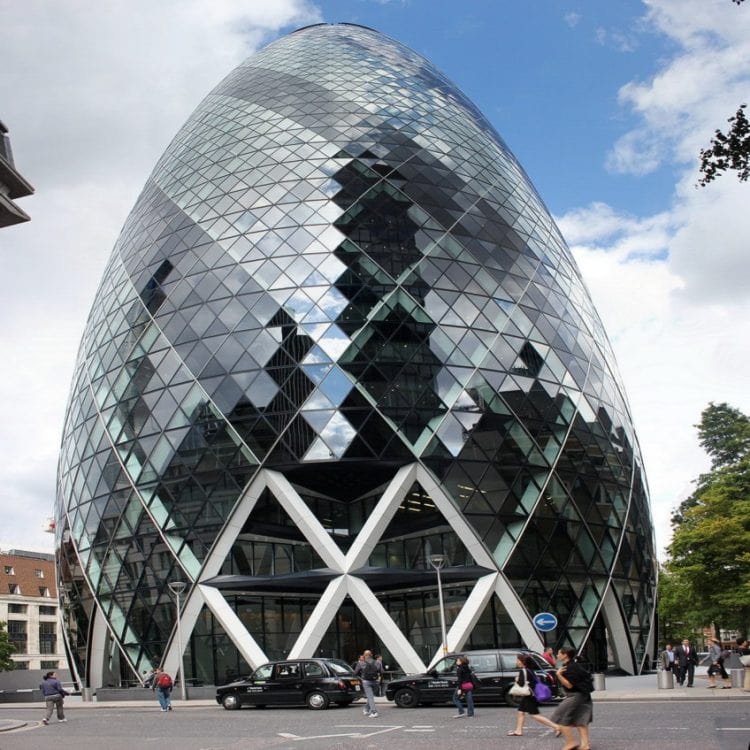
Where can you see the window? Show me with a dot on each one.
(46, 610)
(49, 664)
(43, 591)
(39, 573)
(17, 635)
(47, 638)
(20, 665)
(9, 570)
(14, 588)
(16, 609)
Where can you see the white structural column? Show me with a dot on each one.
(380, 517)
(383, 625)
(469, 614)
(320, 619)
(337, 590)
(251, 652)
(305, 520)
(97, 649)
(457, 522)
(618, 633)
(518, 615)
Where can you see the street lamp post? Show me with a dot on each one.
(438, 562)
(178, 589)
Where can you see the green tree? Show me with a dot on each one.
(709, 555)
(730, 150)
(6, 649)
(677, 616)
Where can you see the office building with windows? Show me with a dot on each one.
(12, 184)
(340, 339)
(29, 608)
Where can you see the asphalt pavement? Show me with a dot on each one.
(617, 689)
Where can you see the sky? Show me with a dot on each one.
(605, 104)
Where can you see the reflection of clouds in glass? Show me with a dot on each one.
(318, 419)
(338, 434)
(315, 356)
(327, 270)
(318, 451)
(336, 385)
(333, 302)
(452, 434)
(330, 338)
(317, 400)
(262, 390)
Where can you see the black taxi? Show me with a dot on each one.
(315, 683)
(495, 669)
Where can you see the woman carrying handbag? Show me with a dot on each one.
(523, 688)
(465, 687)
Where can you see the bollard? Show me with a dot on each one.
(86, 694)
(747, 679)
(598, 681)
(665, 680)
(738, 677)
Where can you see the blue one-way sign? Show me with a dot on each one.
(545, 621)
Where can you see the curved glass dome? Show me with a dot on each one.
(340, 334)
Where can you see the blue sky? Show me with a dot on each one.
(547, 75)
(605, 104)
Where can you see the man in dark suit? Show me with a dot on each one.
(686, 660)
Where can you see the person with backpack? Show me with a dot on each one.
(576, 709)
(370, 671)
(529, 704)
(54, 697)
(163, 685)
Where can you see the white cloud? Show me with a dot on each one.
(96, 92)
(693, 93)
(671, 288)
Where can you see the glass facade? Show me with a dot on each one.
(338, 334)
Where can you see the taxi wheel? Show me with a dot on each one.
(317, 700)
(231, 702)
(406, 698)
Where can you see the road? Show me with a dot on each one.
(648, 725)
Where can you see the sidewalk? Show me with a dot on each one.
(639, 688)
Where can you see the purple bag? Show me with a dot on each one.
(542, 692)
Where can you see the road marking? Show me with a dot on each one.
(356, 735)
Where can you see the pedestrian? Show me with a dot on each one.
(162, 685)
(686, 658)
(716, 657)
(666, 658)
(549, 656)
(370, 671)
(528, 703)
(464, 688)
(576, 709)
(54, 697)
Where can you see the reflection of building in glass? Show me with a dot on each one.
(12, 184)
(340, 333)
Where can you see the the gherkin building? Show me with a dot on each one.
(338, 336)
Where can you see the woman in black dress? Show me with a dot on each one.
(576, 709)
(529, 704)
